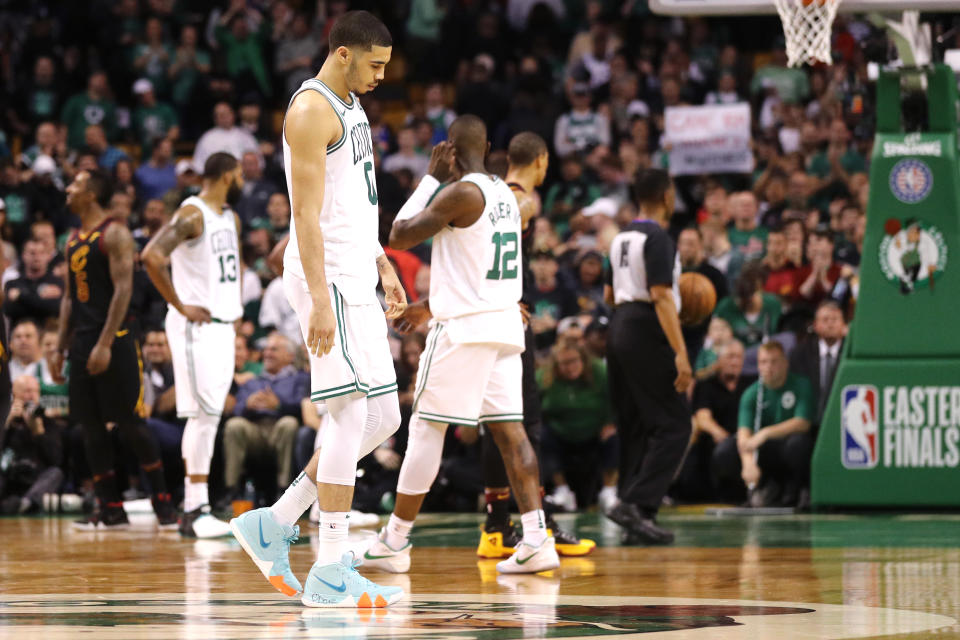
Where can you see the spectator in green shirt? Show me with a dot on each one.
(840, 159)
(151, 58)
(579, 437)
(745, 235)
(189, 65)
(771, 452)
(152, 120)
(751, 312)
(573, 192)
(243, 50)
(94, 106)
(791, 85)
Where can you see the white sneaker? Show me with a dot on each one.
(383, 557)
(607, 499)
(563, 498)
(530, 559)
(209, 526)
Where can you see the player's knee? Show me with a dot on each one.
(390, 416)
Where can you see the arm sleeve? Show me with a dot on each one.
(748, 408)
(658, 258)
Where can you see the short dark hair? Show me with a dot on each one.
(650, 186)
(695, 229)
(825, 234)
(218, 164)
(101, 185)
(524, 148)
(778, 228)
(359, 29)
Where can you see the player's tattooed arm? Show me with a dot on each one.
(186, 224)
(459, 204)
(65, 330)
(120, 250)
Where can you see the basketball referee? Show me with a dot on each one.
(649, 371)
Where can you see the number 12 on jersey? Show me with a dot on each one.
(504, 260)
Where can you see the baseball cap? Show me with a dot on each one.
(638, 109)
(44, 165)
(183, 166)
(601, 206)
(142, 86)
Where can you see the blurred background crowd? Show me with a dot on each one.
(148, 89)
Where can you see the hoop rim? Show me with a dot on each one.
(766, 7)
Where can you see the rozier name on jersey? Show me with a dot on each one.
(223, 240)
(361, 142)
(503, 211)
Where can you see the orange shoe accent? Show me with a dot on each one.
(281, 586)
(380, 601)
(364, 601)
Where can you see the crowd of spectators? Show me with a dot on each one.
(147, 89)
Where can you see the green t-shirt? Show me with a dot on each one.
(153, 122)
(53, 395)
(740, 238)
(81, 112)
(851, 161)
(575, 410)
(250, 366)
(793, 400)
(246, 55)
(186, 78)
(746, 331)
(705, 358)
(792, 84)
(156, 67)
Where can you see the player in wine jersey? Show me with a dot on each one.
(202, 290)
(106, 370)
(331, 267)
(471, 371)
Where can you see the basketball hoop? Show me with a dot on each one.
(807, 25)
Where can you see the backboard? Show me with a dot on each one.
(756, 7)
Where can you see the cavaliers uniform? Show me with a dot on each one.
(116, 395)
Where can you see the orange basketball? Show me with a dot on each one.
(697, 298)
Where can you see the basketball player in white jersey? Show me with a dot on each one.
(203, 295)
(471, 371)
(331, 267)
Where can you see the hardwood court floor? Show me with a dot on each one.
(751, 577)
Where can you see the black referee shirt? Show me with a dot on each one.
(642, 256)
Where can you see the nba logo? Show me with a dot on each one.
(859, 430)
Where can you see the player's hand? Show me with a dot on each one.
(684, 373)
(322, 328)
(525, 314)
(99, 360)
(413, 316)
(395, 296)
(196, 314)
(441, 161)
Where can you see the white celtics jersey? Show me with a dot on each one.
(206, 270)
(349, 217)
(478, 269)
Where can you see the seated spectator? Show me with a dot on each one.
(720, 253)
(595, 338)
(160, 401)
(771, 452)
(47, 143)
(152, 120)
(719, 335)
(37, 452)
(45, 233)
(278, 213)
(157, 176)
(745, 234)
(53, 382)
(579, 437)
(726, 92)
(244, 368)
(436, 111)
(573, 192)
(589, 282)
(24, 349)
(815, 281)
(781, 271)
(751, 313)
(277, 314)
(18, 201)
(840, 159)
(846, 249)
(406, 156)
(267, 414)
(92, 107)
(693, 259)
(36, 293)
(95, 138)
(154, 216)
(817, 357)
(581, 128)
(551, 300)
(188, 184)
(256, 190)
(224, 136)
(121, 206)
(716, 403)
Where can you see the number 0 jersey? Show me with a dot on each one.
(476, 271)
(206, 270)
(349, 215)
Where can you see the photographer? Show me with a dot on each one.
(31, 452)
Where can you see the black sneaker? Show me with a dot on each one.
(165, 511)
(111, 517)
(647, 531)
(568, 544)
(498, 540)
(625, 514)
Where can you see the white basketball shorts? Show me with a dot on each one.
(203, 361)
(467, 384)
(360, 361)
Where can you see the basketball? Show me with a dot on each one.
(697, 298)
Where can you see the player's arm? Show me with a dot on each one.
(311, 126)
(394, 294)
(669, 319)
(459, 204)
(65, 330)
(186, 224)
(120, 249)
(239, 225)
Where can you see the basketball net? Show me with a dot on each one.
(807, 25)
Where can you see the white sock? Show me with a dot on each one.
(561, 489)
(298, 497)
(398, 532)
(195, 495)
(333, 536)
(534, 527)
(609, 491)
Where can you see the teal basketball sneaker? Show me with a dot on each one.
(338, 584)
(267, 542)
